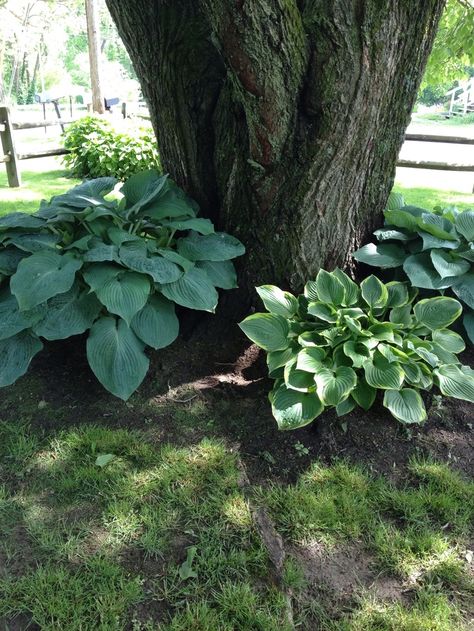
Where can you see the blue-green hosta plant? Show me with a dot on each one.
(338, 344)
(435, 249)
(115, 267)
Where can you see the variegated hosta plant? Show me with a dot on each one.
(113, 267)
(338, 344)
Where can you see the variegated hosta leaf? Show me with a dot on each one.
(437, 313)
(335, 386)
(267, 330)
(293, 409)
(363, 394)
(298, 379)
(374, 292)
(277, 301)
(277, 359)
(329, 288)
(384, 375)
(406, 405)
(309, 359)
(453, 382)
(351, 290)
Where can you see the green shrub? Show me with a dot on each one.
(115, 267)
(338, 344)
(97, 150)
(435, 249)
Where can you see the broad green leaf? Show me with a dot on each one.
(96, 276)
(142, 189)
(390, 234)
(437, 313)
(16, 354)
(185, 263)
(467, 254)
(20, 220)
(420, 271)
(395, 201)
(68, 314)
(125, 294)
(277, 301)
(401, 219)
(359, 353)
(384, 375)
(397, 294)
(383, 331)
(406, 405)
(267, 330)
(293, 409)
(468, 322)
(335, 386)
(193, 290)
(345, 407)
(309, 359)
(119, 236)
(322, 311)
(444, 356)
(33, 242)
(171, 203)
(464, 289)
(156, 324)
(437, 226)
(363, 394)
(221, 273)
(101, 252)
(447, 264)
(393, 354)
(430, 242)
(12, 320)
(41, 276)
(9, 259)
(198, 224)
(218, 246)
(385, 255)
(453, 382)
(374, 292)
(449, 340)
(401, 315)
(135, 256)
(298, 379)
(116, 356)
(310, 290)
(329, 288)
(103, 459)
(277, 359)
(351, 290)
(89, 193)
(465, 224)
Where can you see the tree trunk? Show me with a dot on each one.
(283, 118)
(93, 39)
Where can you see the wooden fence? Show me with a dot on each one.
(11, 157)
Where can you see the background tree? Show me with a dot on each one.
(284, 118)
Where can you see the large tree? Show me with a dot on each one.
(283, 118)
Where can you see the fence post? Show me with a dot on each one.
(8, 146)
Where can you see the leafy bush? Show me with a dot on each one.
(97, 150)
(338, 344)
(435, 249)
(84, 261)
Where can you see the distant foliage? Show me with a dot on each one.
(338, 344)
(97, 150)
(114, 268)
(435, 249)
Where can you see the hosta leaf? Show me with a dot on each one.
(277, 301)
(393, 354)
(97, 275)
(267, 330)
(351, 290)
(116, 357)
(329, 288)
(12, 320)
(465, 224)
(449, 340)
(447, 264)
(363, 394)
(386, 234)
(430, 242)
(171, 203)
(359, 353)
(406, 405)
(135, 256)
(401, 315)
(322, 311)
(437, 226)
(16, 354)
(401, 219)
(310, 290)
(374, 292)
(453, 382)
(89, 193)
(468, 322)
(221, 273)
(68, 314)
(185, 263)
(397, 294)
(277, 359)
(420, 271)
(386, 376)
(333, 387)
(218, 246)
(9, 259)
(33, 242)
(395, 201)
(198, 224)
(345, 407)
(20, 220)
(142, 189)
(464, 289)
(309, 359)
(101, 252)
(156, 324)
(383, 331)
(125, 294)
(437, 313)
(293, 409)
(193, 290)
(41, 276)
(119, 236)
(444, 356)
(298, 379)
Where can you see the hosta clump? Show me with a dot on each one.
(114, 266)
(435, 249)
(338, 344)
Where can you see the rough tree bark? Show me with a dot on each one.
(283, 118)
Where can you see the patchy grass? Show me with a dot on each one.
(86, 547)
(429, 198)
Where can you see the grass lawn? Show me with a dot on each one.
(185, 509)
